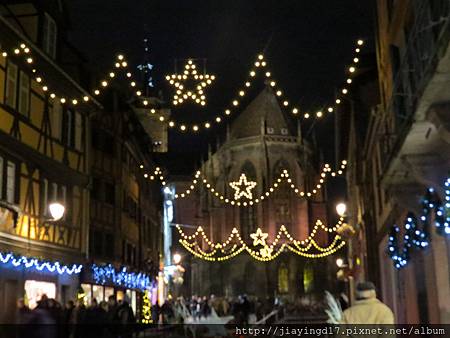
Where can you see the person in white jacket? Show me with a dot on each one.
(367, 308)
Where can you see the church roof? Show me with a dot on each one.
(264, 107)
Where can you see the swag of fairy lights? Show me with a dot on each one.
(39, 265)
(108, 274)
(283, 178)
(121, 64)
(417, 231)
(260, 250)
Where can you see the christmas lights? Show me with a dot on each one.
(132, 280)
(283, 178)
(420, 237)
(39, 265)
(234, 245)
(196, 95)
(243, 187)
(178, 81)
(146, 309)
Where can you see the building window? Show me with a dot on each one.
(9, 180)
(68, 128)
(57, 113)
(78, 131)
(49, 36)
(11, 85)
(24, 94)
(283, 279)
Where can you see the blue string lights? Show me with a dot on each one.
(420, 237)
(39, 265)
(131, 280)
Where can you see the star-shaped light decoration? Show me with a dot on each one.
(243, 187)
(266, 252)
(259, 237)
(200, 82)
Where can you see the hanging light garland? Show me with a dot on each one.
(419, 237)
(194, 94)
(283, 178)
(260, 65)
(132, 280)
(39, 265)
(234, 245)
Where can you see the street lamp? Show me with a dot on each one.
(177, 258)
(56, 211)
(341, 209)
(339, 262)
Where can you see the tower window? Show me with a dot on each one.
(49, 36)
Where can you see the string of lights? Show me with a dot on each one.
(132, 280)
(283, 178)
(39, 265)
(415, 235)
(259, 64)
(223, 251)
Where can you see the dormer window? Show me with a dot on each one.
(49, 35)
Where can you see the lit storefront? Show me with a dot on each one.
(31, 278)
(102, 281)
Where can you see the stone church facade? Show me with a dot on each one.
(260, 143)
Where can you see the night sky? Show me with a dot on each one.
(308, 45)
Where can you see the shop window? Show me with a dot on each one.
(87, 290)
(109, 291)
(36, 289)
(97, 293)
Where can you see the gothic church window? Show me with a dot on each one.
(247, 215)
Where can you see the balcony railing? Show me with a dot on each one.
(427, 40)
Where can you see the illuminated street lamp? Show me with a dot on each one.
(176, 258)
(341, 209)
(339, 262)
(56, 211)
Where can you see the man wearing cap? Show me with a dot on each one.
(367, 309)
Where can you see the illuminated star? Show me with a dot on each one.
(200, 82)
(243, 187)
(259, 237)
(266, 252)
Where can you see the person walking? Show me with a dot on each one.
(367, 309)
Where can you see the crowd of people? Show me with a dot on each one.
(72, 319)
(244, 309)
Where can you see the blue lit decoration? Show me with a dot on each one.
(39, 265)
(420, 237)
(146, 67)
(131, 280)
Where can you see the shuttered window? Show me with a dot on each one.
(11, 85)
(11, 182)
(78, 131)
(49, 36)
(24, 94)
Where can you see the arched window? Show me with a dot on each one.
(283, 278)
(247, 215)
(308, 278)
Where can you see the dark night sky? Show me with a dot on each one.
(312, 42)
